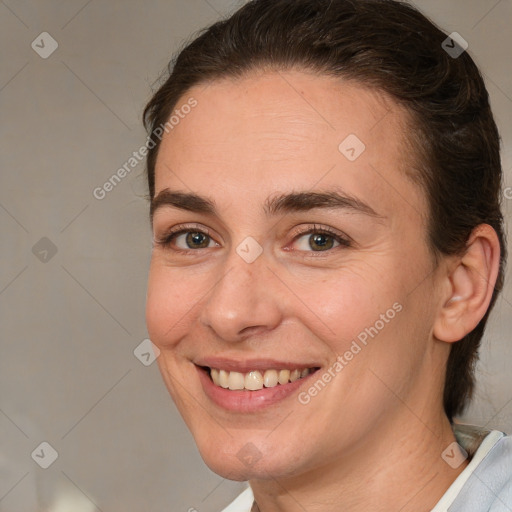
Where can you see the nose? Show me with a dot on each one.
(245, 301)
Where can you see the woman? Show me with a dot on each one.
(328, 244)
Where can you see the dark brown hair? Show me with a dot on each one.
(390, 46)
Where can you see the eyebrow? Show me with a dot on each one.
(282, 203)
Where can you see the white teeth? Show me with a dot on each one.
(253, 381)
(270, 378)
(284, 376)
(223, 379)
(236, 380)
(256, 380)
(294, 375)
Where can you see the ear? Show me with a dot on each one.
(470, 283)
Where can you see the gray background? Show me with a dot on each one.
(70, 321)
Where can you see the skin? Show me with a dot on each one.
(372, 439)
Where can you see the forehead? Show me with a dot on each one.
(276, 131)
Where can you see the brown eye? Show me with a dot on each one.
(321, 241)
(186, 240)
(196, 240)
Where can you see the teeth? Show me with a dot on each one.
(255, 380)
(236, 380)
(294, 375)
(223, 379)
(284, 376)
(270, 378)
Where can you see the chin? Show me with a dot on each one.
(243, 460)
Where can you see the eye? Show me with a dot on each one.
(185, 239)
(193, 240)
(312, 239)
(320, 240)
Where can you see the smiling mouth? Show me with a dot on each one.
(255, 380)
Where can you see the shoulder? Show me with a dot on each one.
(489, 486)
(498, 475)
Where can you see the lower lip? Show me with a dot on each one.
(245, 400)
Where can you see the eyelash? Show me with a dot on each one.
(166, 239)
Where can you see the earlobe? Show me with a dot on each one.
(470, 283)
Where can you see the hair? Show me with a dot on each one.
(389, 46)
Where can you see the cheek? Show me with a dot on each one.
(347, 302)
(170, 303)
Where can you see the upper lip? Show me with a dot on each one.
(247, 365)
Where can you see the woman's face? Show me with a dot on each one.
(305, 249)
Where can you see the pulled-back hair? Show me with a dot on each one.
(389, 46)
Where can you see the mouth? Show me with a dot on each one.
(255, 380)
(252, 386)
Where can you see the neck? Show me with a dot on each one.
(397, 467)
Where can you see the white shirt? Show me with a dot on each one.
(485, 485)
